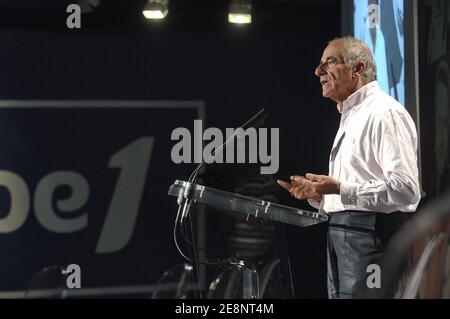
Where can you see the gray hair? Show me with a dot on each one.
(355, 51)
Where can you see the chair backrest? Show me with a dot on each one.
(236, 280)
(178, 282)
(50, 282)
(267, 273)
(425, 238)
(417, 273)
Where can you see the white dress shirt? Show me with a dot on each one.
(374, 156)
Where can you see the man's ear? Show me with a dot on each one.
(359, 69)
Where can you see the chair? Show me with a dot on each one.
(425, 237)
(178, 282)
(50, 282)
(237, 280)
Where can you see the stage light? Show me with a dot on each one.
(240, 12)
(156, 9)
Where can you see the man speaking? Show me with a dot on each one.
(373, 184)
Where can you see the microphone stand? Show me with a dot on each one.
(255, 121)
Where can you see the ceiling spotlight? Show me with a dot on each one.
(240, 12)
(156, 9)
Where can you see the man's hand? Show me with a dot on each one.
(324, 184)
(313, 186)
(300, 188)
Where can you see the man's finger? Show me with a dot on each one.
(313, 177)
(299, 178)
(284, 184)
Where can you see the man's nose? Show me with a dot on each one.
(319, 70)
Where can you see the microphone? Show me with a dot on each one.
(255, 121)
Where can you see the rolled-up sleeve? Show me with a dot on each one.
(394, 143)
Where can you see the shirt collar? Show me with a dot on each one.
(357, 97)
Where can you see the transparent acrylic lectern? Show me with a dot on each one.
(242, 278)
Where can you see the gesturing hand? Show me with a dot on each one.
(313, 186)
(324, 184)
(300, 188)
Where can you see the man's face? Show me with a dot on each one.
(335, 76)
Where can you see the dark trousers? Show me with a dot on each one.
(356, 240)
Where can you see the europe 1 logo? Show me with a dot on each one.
(132, 160)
